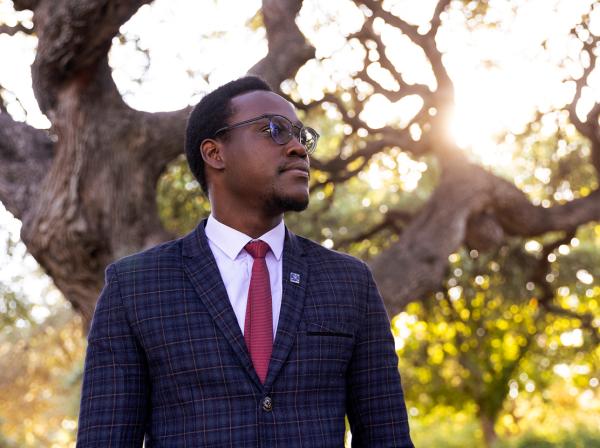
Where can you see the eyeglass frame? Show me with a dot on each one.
(270, 116)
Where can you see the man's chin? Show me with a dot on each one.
(291, 204)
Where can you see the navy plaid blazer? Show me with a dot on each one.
(167, 363)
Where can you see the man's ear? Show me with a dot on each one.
(212, 153)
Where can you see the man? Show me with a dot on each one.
(242, 334)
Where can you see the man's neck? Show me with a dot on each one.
(251, 225)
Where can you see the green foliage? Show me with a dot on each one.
(13, 309)
(548, 164)
(486, 338)
(455, 430)
(40, 381)
(444, 429)
(580, 438)
(40, 361)
(469, 339)
(181, 203)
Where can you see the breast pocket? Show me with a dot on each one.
(323, 350)
(330, 329)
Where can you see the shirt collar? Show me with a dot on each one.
(232, 241)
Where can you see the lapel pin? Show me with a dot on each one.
(295, 278)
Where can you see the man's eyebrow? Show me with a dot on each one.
(259, 122)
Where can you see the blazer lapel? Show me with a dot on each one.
(201, 267)
(294, 280)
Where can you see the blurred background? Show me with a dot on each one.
(460, 158)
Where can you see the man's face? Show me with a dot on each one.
(259, 171)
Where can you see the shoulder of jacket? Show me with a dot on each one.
(314, 249)
(150, 257)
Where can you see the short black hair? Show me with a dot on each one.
(211, 114)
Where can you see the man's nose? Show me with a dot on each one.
(295, 148)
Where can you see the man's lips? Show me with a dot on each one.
(300, 170)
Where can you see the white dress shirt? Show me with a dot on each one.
(235, 264)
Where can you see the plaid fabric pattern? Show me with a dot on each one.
(167, 363)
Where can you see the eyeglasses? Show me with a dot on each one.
(282, 130)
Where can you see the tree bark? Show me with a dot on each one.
(288, 48)
(489, 432)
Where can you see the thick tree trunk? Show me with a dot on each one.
(489, 432)
(97, 200)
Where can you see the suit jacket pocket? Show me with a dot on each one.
(322, 352)
(330, 328)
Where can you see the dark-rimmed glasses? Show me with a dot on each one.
(282, 130)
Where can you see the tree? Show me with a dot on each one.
(68, 184)
(85, 190)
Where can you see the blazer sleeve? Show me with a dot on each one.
(115, 390)
(375, 401)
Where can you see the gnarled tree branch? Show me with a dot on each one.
(25, 156)
(288, 48)
(442, 226)
(74, 38)
(12, 30)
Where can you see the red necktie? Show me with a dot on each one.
(258, 325)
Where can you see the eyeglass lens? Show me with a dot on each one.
(282, 131)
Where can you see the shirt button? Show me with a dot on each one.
(267, 404)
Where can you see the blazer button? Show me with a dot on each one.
(267, 404)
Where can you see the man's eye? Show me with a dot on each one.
(277, 130)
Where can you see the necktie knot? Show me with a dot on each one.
(257, 249)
